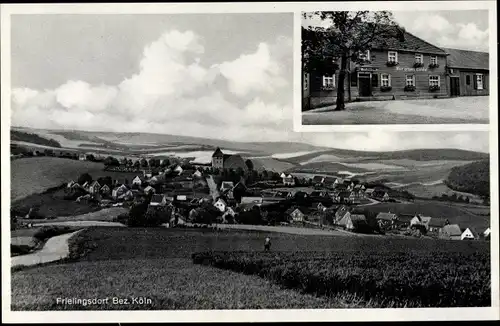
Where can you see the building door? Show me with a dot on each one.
(365, 86)
(454, 86)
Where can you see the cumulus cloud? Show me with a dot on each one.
(436, 29)
(173, 92)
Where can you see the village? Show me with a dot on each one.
(176, 193)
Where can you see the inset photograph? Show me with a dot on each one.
(381, 67)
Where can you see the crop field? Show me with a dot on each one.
(158, 265)
(397, 279)
(37, 174)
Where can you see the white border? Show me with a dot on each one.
(396, 6)
(490, 313)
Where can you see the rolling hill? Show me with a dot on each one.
(472, 178)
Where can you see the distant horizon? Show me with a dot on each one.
(252, 142)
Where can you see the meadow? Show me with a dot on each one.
(156, 263)
(37, 174)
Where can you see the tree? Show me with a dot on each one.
(85, 177)
(164, 163)
(144, 163)
(249, 164)
(349, 35)
(137, 164)
(111, 161)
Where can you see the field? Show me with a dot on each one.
(462, 214)
(158, 265)
(37, 174)
(400, 279)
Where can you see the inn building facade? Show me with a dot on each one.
(467, 72)
(406, 68)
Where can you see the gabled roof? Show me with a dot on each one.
(452, 229)
(405, 217)
(409, 42)
(437, 222)
(386, 216)
(318, 178)
(235, 162)
(473, 231)
(217, 153)
(467, 59)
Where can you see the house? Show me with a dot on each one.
(330, 182)
(420, 220)
(220, 204)
(403, 221)
(317, 180)
(401, 68)
(227, 161)
(82, 157)
(86, 185)
(158, 200)
(352, 221)
(487, 233)
(369, 192)
(251, 200)
(450, 232)
(94, 187)
(197, 174)
(468, 72)
(469, 234)
(341, 213)
(137, 181)
(298, 214)
(380, 195)
(105, 190)
(283, 194)
(226, 186)
(181, 198)
(149, 190)
(178, 169)
(288, 180)
(227, 214)
(344, 197)
(147, 173)
(436, 224)
(119, 191)
(70, 184)
(386, 219)
(320, 207)
(340, 187)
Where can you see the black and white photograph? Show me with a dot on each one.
(155, 173)
(401, 67)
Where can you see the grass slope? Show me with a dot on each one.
(34, 175)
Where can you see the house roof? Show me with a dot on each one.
(344, 194)
(452, 229)
(369, 190)
(157, 198)
(405, 217)
(330, 180)
(248, 200)
(379, 193)
(467, 59)
(386, 216)
(409, 42)
(235, 162)
(318, 178)
(473, 231)
(437, 222)
(357, 217)
(341, 186)
(217, 153)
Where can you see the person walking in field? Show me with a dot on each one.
(267, 244)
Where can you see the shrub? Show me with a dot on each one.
(434, 88)
(392, 63)
(385, 88)
(418, 64)
(433, 65)
(409, 88)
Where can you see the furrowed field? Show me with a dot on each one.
(397, 279)
(157, 263)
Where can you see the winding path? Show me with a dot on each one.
(55, 248)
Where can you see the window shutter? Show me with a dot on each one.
(475, 81)
(354, 79)
(374, 80)
(485, 78)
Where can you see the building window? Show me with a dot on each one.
(434, 60)
(434, 81)
(467, 79)
(410, 80)
(306, 82)
(392, 56)
(419, 58)
(385, 80)
(365, 56)
(479, 81)
(328, 82)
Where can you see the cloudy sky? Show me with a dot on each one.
(217, 76)
(462, 29)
